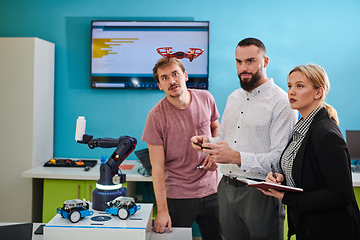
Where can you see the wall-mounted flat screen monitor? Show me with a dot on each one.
(123, 53)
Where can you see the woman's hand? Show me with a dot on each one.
(278, 180)
(271, 179)
(273, 193)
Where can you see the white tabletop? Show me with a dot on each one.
(93, 174)
(356, 179)
(76, 173)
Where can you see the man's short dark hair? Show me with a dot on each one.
(252, 41)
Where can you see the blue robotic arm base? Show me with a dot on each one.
(100, 197)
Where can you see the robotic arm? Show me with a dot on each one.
(109, 186)
(109, 170)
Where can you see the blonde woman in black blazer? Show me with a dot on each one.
(316, 160)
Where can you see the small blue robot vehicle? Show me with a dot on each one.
(122, 206)
(74, 210)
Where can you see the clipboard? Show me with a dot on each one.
(266, 185)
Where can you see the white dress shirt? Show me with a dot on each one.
(258, 125)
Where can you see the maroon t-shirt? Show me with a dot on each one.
(173, 128)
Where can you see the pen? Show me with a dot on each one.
(273, 171)
(200, 167)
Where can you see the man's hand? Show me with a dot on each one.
(222, 153)
(209, 165)
(161, 221)
(197, 141)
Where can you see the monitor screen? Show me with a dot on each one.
(353, 142)
(123, 53)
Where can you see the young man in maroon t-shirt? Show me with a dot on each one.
(184, 193)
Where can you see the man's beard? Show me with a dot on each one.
(252, 83)
(178, 95)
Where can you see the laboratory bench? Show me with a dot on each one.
(53, 185)
(78, 173)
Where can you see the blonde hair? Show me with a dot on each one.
(319, 79)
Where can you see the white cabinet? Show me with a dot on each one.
(26, 120)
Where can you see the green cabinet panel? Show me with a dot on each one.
(88, 189)
(286, 227)
(357, 195)
(58, 191)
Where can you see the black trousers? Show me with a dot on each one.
(204, 211)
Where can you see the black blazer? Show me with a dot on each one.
(322, 168)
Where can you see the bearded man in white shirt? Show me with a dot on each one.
(255, 127)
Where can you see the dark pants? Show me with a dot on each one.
(248, 214)
(204, 211)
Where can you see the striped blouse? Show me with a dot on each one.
(299, 132)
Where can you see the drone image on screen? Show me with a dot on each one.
(191, 54)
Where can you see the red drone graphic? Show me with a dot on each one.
(191, 54)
